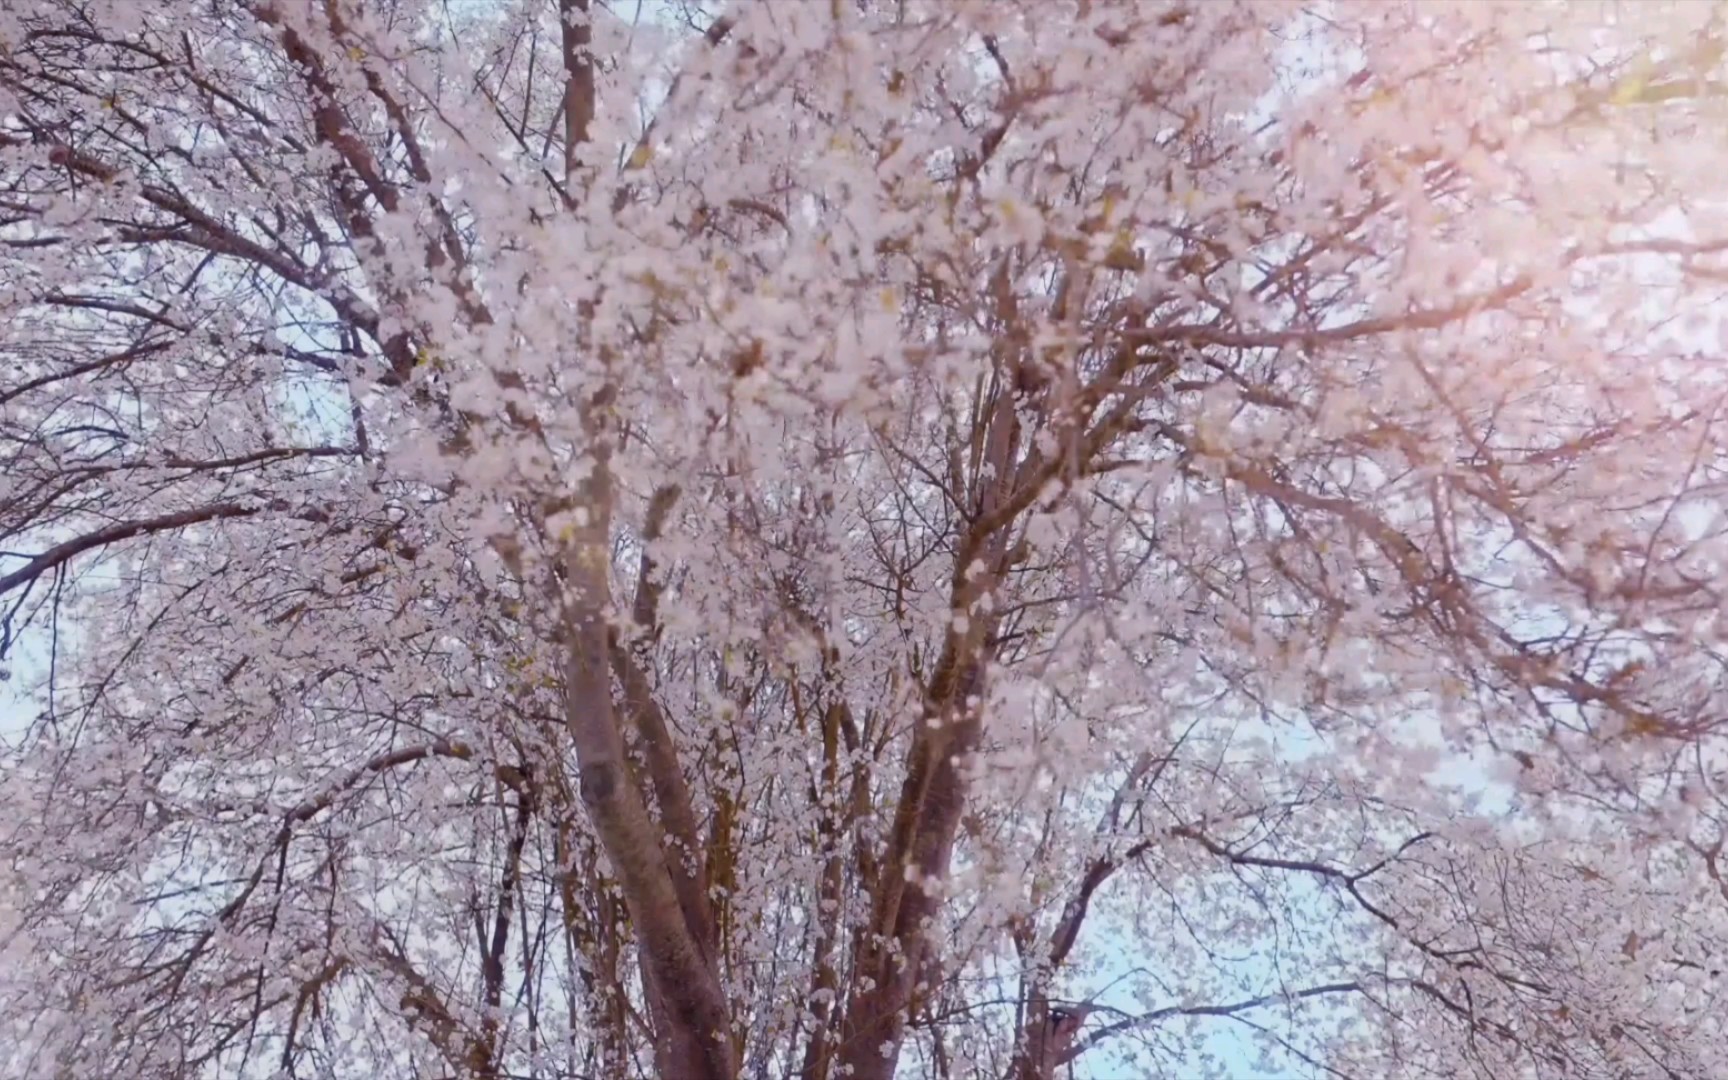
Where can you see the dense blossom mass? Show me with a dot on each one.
(1000, 539)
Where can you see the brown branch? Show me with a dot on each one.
(678, 968)
(327, 116)
(1123, 1026)
(1276, 339)
(577, 39)
(659, 749)
(671, 794)
(62, 553)
(933, 794)
(208, 234)
(825, 979)
(492, 956)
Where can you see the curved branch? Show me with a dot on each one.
(1157, 1015)
(63, 553)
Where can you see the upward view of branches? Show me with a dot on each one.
(862, 539)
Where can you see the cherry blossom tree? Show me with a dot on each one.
(862, 538)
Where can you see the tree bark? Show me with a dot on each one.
(893, 952)
(678, 966)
